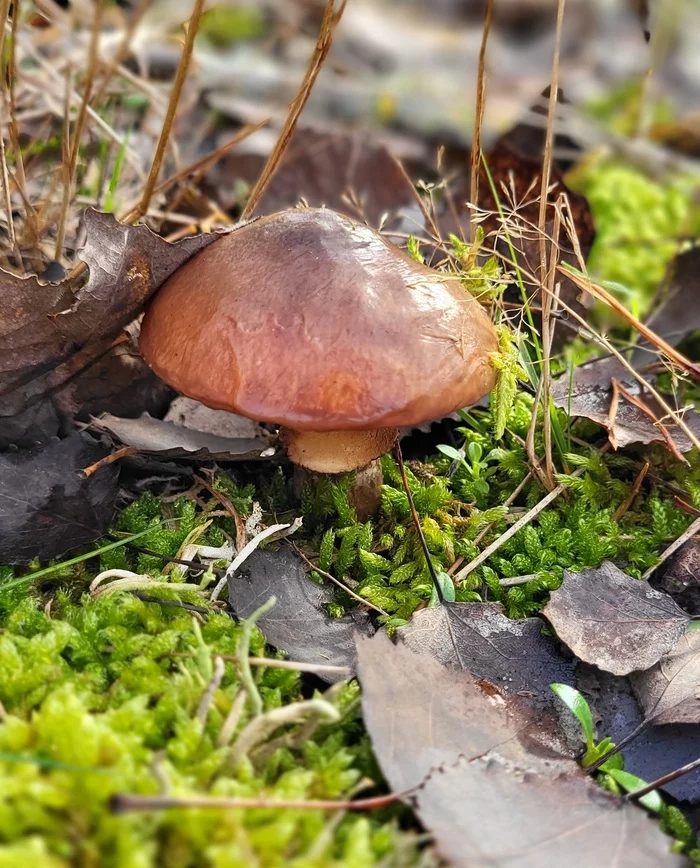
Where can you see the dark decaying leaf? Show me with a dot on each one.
(297, 624)
(175, 441)
(478, 638)
(331, 169)
(656, 750)
(421, 714)
(43, 325)
(47, 507)
(679, 577)
(494, 787)
(669, 692)
(490, 813)
(613, 621)
(678, 313)
(589, 394)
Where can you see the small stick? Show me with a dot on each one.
(683, 538)
(123, 802)
(664, 779)
(110, 459)
(323, 44)
(517, 580)
(612, 412)
(175, 93)
(479, 118)
(174, 604)
(65, 167)
(332, 578)
(627, 502)
(416, 521)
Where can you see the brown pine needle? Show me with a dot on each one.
(648, 334)
(331, 17)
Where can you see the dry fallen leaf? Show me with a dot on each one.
(668, 691)
(297, 623)
(478, 638)
(44, 327)
(490, 813)
(175, 441)
(589, 394)
(613, 621)
(47, 506)
(472, 757)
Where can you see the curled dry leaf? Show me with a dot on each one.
(669, 692)
(613, 621)
(589, 393)
(43, 326)
(47, 506)
(478, 638)
(473, 757)
(176, 441)
(297, 623)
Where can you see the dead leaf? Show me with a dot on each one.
(479, 639)
(175, 441)
(668, 691)
(679, 577)
(43, 325)
(613, 621)
(589, 394)
(552, 817)
(421, 715)
(332, 169)
(656, 750)
(476, 757)
(47, 507)
(297, 623)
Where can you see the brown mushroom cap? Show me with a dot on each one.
(307, 319)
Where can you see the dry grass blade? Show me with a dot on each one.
(121, 803)
(648, 334)
(331, 17)
(181, 75)
(634, 491)
(479, 119)
(93, 62)
(121, 52)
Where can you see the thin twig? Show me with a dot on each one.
(683, 538)
(479, 116)
(230, 509)
(663, 780)
(342, 585)
(647, 411)
(123, 802)
(93, 61)
(175, 93)
(627, 502)
(331, 17)
(124, 452)
(66, 174)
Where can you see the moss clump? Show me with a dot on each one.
(102, 697)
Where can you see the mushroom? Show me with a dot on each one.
(308, 319)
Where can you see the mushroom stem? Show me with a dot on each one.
(337, 451)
